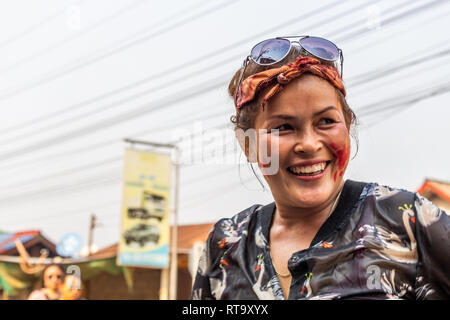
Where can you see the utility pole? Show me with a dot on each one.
(92, 226)
(173, 288)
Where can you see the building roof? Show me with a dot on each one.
(28, 238)
(432, 188)
(190, 234)
(187, 236)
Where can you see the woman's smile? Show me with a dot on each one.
(309, 170)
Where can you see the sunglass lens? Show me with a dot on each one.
(321, 48)
(270, 51)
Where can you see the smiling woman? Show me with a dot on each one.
(323, 237)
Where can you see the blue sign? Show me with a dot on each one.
(69, 245)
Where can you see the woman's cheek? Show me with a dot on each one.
(341, 151)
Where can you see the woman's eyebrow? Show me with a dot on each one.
(281, 116)
(288, 117)
(325, 110)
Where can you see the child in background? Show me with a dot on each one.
(71, 288)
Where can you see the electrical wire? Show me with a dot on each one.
(83, 131)
(179, 67)
(82, 32)
(28, 30)
(400, 101)
(38, 82)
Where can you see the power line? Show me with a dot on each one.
(106, 107)
(117, 103)
(64, 214)
(191, 92)
(114, 104)
(401, 107)
(97, 146)
(83, 185)
(406, 29)
(140, 94)
(401, 101)
(407, 99)
(405, 14)
(75, 170)
(153, 34)
(38, 180)
(78, 169)
(60, 43)
(85, 130)
(353, 82)
(179, 67)
(28, 30)
(436, 91)
(104, 180)
(378, 73)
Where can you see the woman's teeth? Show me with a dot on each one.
(308, 170)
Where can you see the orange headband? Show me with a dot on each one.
(276, 79)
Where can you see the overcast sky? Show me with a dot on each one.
(76, 77)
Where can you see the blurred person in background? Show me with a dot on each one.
(53, 278)
(323, 237)
(71, 289)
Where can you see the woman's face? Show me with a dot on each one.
(314, 142)
(53, 278)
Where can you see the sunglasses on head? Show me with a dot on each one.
(271, 51)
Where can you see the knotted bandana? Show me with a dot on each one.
(276, 79)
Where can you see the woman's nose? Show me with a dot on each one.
(307, 142)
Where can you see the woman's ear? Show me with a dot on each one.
(248, 141)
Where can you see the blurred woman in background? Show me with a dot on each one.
(53, 278)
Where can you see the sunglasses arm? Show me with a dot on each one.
(244, 66)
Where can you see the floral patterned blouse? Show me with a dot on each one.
(379, 243)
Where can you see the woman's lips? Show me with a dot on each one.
(308, 171)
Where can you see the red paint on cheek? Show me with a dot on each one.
(342, 154)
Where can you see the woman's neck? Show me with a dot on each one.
(290, 216)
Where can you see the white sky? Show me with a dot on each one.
(54, 172)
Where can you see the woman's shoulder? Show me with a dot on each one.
(386, 193)
(403, 199)
(231, 229)
(239, 220)
(38, 295)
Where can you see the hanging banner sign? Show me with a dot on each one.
(144, 238)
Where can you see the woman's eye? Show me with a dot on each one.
(284, 127)
(326, 121)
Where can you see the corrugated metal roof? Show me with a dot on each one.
(7, 239)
